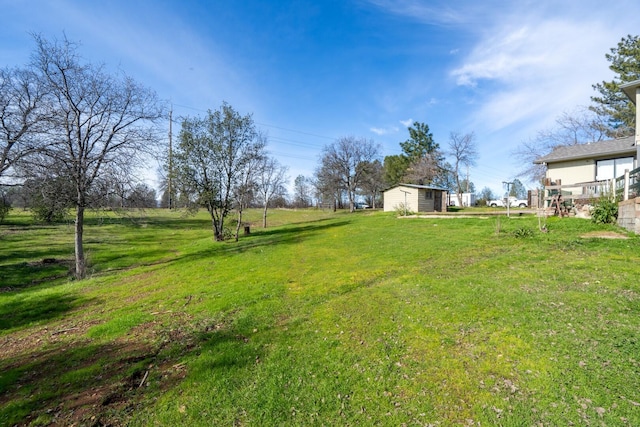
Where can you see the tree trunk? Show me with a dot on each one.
(217, 222)
(239, 224)
(220, 227)
(264, 216)
(79, 228)
(217, 231)
(214, 229)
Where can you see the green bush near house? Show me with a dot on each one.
(605, 211)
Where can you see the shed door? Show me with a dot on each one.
(437, 201)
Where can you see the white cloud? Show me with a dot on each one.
(534, 71)
(438, 12)
(384, 131)
(406, 123)
(510, 54)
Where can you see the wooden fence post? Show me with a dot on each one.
(625, 195)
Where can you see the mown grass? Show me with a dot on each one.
(323, 318)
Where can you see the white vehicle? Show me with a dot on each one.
(514, 202)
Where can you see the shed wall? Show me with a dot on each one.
(394, 198)
(416, 199)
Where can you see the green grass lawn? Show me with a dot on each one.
(321, 319)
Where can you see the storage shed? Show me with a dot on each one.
(416, 198)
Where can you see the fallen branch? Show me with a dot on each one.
(146, 374)
(62, 331)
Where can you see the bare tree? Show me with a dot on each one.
(21, 114)
(328, 188)
(425, 169)
(211, 161)
(579, 127)
(246, 186)
(99, 122)
(271, 178)
(344, 160)
(373, 182)
(301, 190)
(464, 152)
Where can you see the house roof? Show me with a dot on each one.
(422, 187)
(601, 149)
(630, 89)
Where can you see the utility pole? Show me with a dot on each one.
(170, 183)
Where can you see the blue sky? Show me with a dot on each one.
(314, 71)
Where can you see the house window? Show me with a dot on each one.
(612, 168)
(428, 194)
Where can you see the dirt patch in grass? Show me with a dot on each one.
(604, 235)
(28, 342)
(76, 380)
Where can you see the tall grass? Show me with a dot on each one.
(327, 319)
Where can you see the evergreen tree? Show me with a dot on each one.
(395, 168)
(612, 103)
(518, 190)
(420, 142)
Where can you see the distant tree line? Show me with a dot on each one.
(352, 168)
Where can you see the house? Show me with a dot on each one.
(415, 198)
(586, 163)
(581, 172)
(597, 161)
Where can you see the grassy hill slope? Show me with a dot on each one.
(328, 319)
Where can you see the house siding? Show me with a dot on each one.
(572, 171)
(577, 171)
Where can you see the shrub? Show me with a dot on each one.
(49, 213)
(605, 211)
(523, 232)
(49, 199)
(400, 210)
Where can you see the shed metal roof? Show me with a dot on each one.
(425, 187)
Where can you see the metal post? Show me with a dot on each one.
(508, 184)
